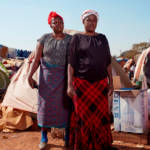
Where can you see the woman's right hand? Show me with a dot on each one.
(71, 92)
(31, 82)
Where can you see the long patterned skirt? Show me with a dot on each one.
(53, 108)
(90, 122)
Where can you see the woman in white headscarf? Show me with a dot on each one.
(89, 83)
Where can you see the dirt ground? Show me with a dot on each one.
(29, 140)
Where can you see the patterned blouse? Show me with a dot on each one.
(55, 51)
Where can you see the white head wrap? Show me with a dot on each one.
(88, 13)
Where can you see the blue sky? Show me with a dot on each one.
(124, 22)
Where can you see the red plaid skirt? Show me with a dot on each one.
(90, 122)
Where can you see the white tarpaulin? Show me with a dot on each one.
(19, 94)
(138, 75)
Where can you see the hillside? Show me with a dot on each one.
(135, 50)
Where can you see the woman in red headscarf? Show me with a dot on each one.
(89, 83)
(51, 55)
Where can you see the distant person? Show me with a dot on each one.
(146, 69)
(51, 56)
(128, 64)
(89, 83)
(131, 71)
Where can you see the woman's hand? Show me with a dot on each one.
(111, 89)
(32, 82)
(71, 92)
(110, 86)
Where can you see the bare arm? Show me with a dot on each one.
(70, 90)
(111, 88)
(35, 65)
(70, 75)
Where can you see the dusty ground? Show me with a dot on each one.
(29, 140)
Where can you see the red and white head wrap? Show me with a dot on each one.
(89, 12)
(53, 15)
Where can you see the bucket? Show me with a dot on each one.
(138, 84)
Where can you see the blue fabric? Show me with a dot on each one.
(126, 88)
(1, 46)
(53, 126)
(22, 53)
(44, 136)
(53, 65)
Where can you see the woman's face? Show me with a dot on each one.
(90, 23)
(57, 25)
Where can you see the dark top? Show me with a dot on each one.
(55, 52)
(89, 56)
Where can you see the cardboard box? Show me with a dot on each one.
(130, 110)
(117, 82)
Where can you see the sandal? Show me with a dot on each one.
(42, 145)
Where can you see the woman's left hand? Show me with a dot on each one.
(111, 89)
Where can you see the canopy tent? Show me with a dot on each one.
(138, 75)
